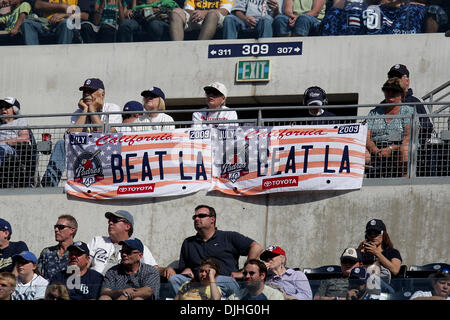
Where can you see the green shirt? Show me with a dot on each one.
(10, 19)
(303, 6)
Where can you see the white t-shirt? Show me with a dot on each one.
(33, 290)
(419, 294)
(12, 133)
(209, 114)
(105, 254)
(107, 107)
(161, 117)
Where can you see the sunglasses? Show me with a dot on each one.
(348, 261)
(22, 261)
(200, 215)
(116, 220)
(245, 273)
(373, 233)
(129, 251)
(61, 226)
(213, 93)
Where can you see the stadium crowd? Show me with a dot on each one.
(32, 22)
(387, 145)
(120, 267)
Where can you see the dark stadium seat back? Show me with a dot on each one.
(323, 272)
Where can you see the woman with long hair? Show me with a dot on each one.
(378, 247)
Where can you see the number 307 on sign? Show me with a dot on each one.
(254, 49)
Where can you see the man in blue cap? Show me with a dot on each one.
(131, 279)
(8, 248)
(82, 282)
(92, 100)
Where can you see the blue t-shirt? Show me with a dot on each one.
(6, 255)
(90, 284)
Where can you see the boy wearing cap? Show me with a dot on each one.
(82, 282)
(316, 96)
(154, 100)
(130, 117)
(30, 285)
(8, 248)
(131, 279)
(105, 251)
(216, 96)
(10, 106)
(336, 289)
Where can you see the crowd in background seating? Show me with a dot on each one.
(33, 22)
(119, 267)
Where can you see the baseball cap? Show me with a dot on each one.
(359, 273)
(153, 91)
(80, 246)
(26, 255)
(92, 83)
(133, 243)
(314, 96)
(121, 214)
(217, 86)
(272, 251)
(5, 226)
(11, 101)
(375, 224)
(133, 106)
(351, 254)
(398, 70)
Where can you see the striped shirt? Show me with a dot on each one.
(117, 278)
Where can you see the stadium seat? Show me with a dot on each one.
(425, 270)
(323, 272)
(418, 276)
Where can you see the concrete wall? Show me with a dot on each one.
(46, 79)
(313, 227)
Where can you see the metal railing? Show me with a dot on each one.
(426, 152)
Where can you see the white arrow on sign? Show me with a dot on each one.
(213, 52)
(297, 49)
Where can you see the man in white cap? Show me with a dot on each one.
(216, 96)
(105, 251)
(10, 106)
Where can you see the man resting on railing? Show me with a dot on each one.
(11, 137)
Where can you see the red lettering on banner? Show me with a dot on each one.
(131, 139)
(279, 182)
(136, 188)
(254, 133)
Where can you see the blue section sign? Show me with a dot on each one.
(255, 49)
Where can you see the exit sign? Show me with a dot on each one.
(253, 70)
